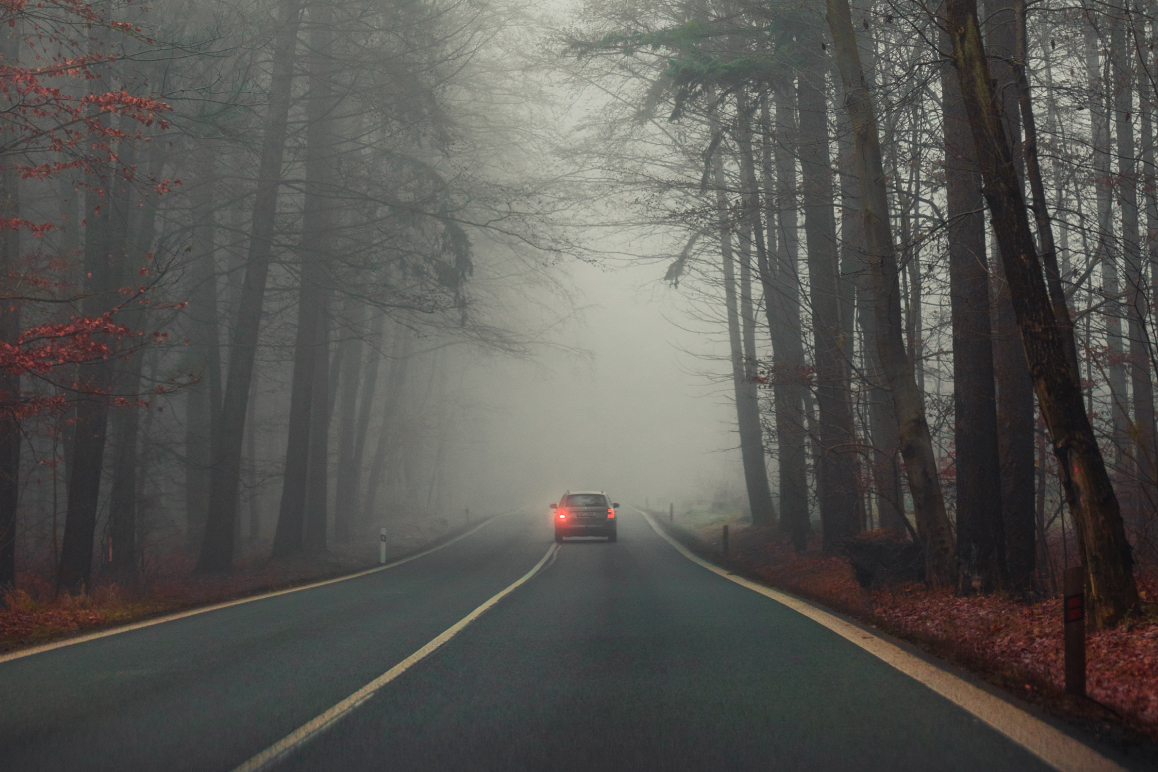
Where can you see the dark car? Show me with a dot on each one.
(584, 513)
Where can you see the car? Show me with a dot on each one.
(584, 513)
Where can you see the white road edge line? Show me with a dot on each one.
(313, 728)
(1052, 746)
(226, 604)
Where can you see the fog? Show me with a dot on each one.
(300, 271)
(625, 409)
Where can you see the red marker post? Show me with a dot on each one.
(1074, 614)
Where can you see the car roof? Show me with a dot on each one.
(572, 493)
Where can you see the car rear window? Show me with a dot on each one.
(585, 500)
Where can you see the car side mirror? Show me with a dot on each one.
(554, 506)
(615, 506)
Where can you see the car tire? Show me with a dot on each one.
(612, 537)
(558, 537)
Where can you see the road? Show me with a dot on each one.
(612, 656)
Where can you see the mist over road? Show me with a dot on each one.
(613, 656)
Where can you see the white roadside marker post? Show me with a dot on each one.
(382, 547)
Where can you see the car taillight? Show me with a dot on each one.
(562, 513)
(610, 514)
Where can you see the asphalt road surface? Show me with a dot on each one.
(613, 656)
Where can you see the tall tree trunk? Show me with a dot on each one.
(1137, 304)
(317, 488)
(399, 364)
(347, 417)
(980, 530)
(103, 257)
(123, 496)
(350, 483)
(787, 335)
(752, 232)
(743, 381)
(203, 399)
(303, 503)
(217, 551)
(1100, 96)
(1015, 413)
(853, 265)
(839, 492)
(1147, 454)
(251, 467)
(1102, 539)
(916, 444)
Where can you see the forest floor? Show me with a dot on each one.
(1009, 643)
(33, 614)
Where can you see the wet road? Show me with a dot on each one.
(613, 656)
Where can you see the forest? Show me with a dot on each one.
(253, 249)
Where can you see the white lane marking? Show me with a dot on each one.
(226, 604)
(1052, 746)
(313, 728)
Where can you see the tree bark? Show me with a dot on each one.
(1147, 455)
(217, 550)
(399, 363)
(1015, 413)
(916, 444)
(838, 447)
(1100, 109)
(980, 530)
(303, 503)
(347, 416)
(786, 331)
(350, 479)
(1137, 304)
(743, 379)
(203, 399)
(123, 497)
(763, 509)
(1094, 507)
(103, 258)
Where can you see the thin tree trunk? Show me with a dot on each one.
(103, 259)
(1137, 304)
(251, 466)
(347, 416)
(1100, 108)
(980, 532)
(763, 509)
(839, 492)
(203, 399)
(217, 551)
(916, 444)
(1015, 413)
(1147, 454)
(399, 363)
(302, 519)
(123, 496)
(317, 488)
(787, 335)
(743, 382)
(350, 479)
(1102, 539)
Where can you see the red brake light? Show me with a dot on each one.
(610, 513)
(562, 513)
